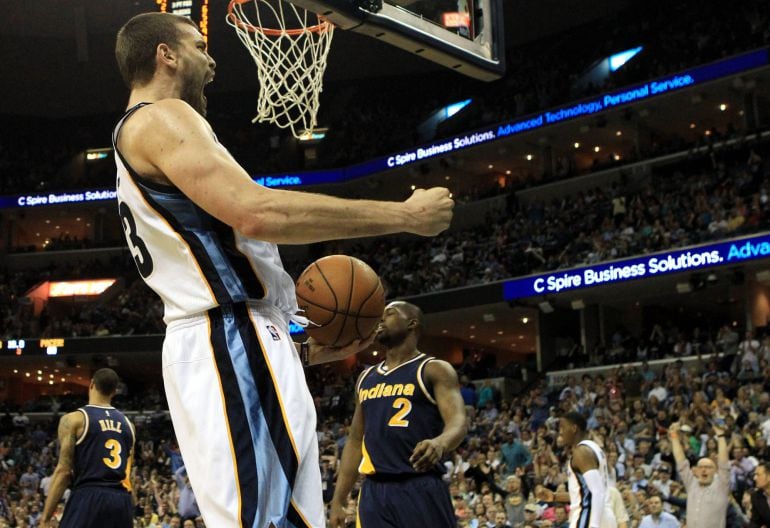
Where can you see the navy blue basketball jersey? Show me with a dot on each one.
(399, 412)
(103, 451)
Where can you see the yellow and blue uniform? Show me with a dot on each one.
(101, 489)
(400, 411)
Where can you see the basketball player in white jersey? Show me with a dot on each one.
(589, 499)
(203, 236)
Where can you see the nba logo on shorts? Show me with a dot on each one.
(274, 332)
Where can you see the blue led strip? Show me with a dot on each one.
(664, 263)
(591, 106)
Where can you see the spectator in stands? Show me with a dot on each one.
(468, 391)
(486, 395)
(29, 482)
(514, 500)
(657, 518)
(708, 486)
(514, 455)
(759, 506)
(187, 506)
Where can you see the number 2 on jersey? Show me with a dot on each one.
(404, 407)
(114, 448)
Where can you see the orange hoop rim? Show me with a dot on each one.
(323, 25)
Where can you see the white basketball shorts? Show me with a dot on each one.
(244, 418)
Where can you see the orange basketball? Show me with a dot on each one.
(343, 298)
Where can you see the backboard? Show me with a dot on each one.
(464, 35)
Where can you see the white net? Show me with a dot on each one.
(289, 46)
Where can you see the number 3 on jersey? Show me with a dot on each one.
(404, 407)
(114, 448)
(138, 247)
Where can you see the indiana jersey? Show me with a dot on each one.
(580, 495)
(103, 451)
(190, 259)
(399, 411)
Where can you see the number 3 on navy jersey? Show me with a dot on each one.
(404, 407)
(138, 247)
(114, 461)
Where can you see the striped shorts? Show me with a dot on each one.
(244, 418)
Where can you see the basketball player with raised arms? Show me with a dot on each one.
(409, 415)
(203, 236)
(96, 447)
(589, 498)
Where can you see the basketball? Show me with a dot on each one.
(343, 298)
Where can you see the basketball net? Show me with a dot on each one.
(290, 59)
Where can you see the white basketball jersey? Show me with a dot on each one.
(190, 259)
(580, 496)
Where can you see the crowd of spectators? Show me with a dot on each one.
(129, 308)
(674, 37)
(721, 194)
(512, 444)
(717, 194)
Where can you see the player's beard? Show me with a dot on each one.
(391, 339)
(192, 94)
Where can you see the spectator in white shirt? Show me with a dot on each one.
(657, 517)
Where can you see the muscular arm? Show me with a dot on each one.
(169, 142)
(446, 390)
(70, 428)
(348, 470)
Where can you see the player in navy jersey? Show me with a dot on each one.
(409, 414)
(96, 447)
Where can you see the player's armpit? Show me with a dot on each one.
(584, 459)
(442, 379)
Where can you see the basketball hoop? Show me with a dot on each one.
(289, 46)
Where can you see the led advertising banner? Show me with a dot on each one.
(689, 259)
(574, 110)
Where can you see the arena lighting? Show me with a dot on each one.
(317, 135)
(453, 108)
(456, 19)
(97, 154)
(619, 59)
(546, 307)
(683, 287)
(578, 304)
(83, 287)
(763, 277)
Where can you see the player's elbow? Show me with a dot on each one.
(254, 225)
(62, 473)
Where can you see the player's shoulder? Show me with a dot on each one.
(438, 369)
(73, 421)
(584, 457)
(74, 417)
(362, 376)
(166, 116)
